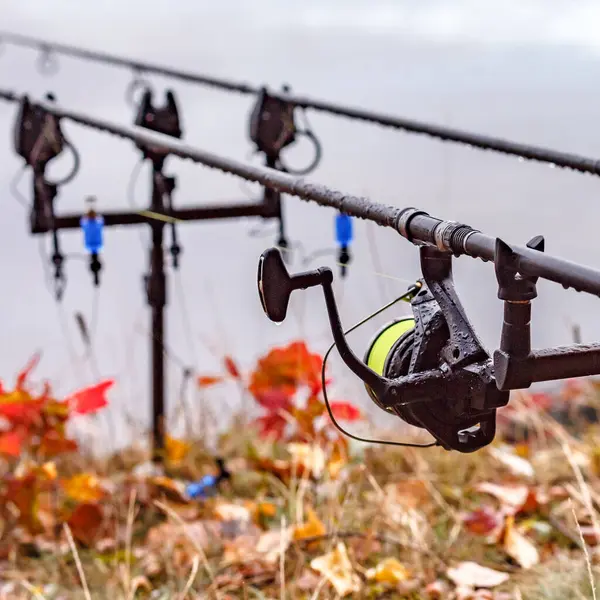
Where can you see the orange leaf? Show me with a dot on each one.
(344, 411)
(313, 527)
(232, 368)
(85, 523)
(54, 443)
(84, 487)
(10, 443)
(90, 399)
(208, 380)
(176, 450)
(23, 492)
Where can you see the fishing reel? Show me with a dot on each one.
(273, 128)
(430, 370)
(162, 119)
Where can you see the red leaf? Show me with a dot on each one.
(274, 400)
(208, 380)
(271, 425)
(481, 521)
(344, 411)
(90, 399)
(85, 523)
(24, 374)
(10, 443)
(22, 412)
(232, 368)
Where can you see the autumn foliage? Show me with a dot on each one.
(298, 509)
(33, 439)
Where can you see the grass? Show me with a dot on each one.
(266, 532)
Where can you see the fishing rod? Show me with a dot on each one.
(482, 142)
(432, 371)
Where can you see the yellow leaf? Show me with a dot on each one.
(389, 570)
(48, 471)
(312, 528)
(176, 450)
(518, 546)
(337, 569)
(84, 487)
(337, 461)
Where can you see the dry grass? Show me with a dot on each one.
(400, 503)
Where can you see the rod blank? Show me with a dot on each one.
(565, 160)
(423, 228)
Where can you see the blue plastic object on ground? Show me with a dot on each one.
(93, 233)
(343, 229)
(200, 489)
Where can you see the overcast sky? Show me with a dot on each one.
(520, 69)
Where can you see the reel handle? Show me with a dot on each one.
(275, 284)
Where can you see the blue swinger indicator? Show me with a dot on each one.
(344, 235)
(92, 225)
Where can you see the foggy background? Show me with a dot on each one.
(526, 71)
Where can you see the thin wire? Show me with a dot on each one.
(131, 184)
(375, 260)
(411, 291)
(185, 317)
(62, 320)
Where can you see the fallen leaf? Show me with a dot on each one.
(227, 511)
(517, 546)
(516, 464)
(409, 494)
(313, 527)
(272, 543)
(308, 581)
(389, 570)
(437, 590)
(482, 521)
(337, 569)
(513, 498)
(84, 487)
(85, 522)
(173, 490)
(470, 574)
(310, 457)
